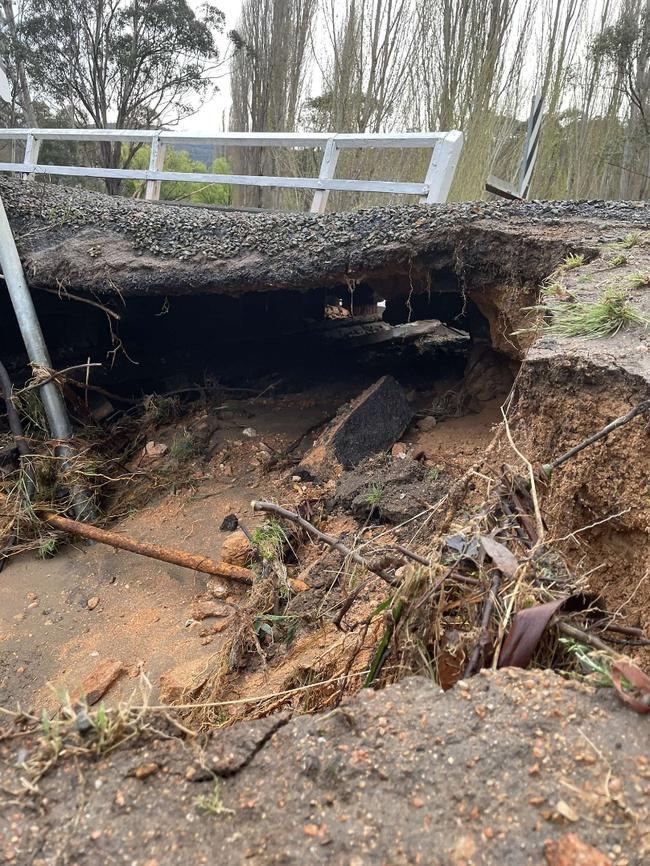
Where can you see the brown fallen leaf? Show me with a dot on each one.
(504, 560)
(527, 629)
(638, 679)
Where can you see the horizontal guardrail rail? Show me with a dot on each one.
(445, 152)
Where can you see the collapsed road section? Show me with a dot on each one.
(401, 441)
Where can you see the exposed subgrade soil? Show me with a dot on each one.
(497, 771)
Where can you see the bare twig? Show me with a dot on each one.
(422, 560)
(272, 508)
(58, 374)
(582, 636)
(595, 437)
(478, 654)
(629, 630)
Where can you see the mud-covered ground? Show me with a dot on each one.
(493, 772)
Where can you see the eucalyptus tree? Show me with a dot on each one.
(120, 63)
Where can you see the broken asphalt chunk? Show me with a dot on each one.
(368, 425)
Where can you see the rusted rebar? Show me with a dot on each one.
(194, 561)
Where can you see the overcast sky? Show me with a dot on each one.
(213, 113)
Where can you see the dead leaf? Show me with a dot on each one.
(638, 679)
(504, 560)
(527, 628)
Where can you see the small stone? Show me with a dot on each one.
(229, 523)
(426, 424)
(203, 609)
(100, 679)
(31, 596)
(146, 770)
(570, 850)
(250, 432)
(399, 449)
(220, 625)
(92, 602)
(566, 811)
(154, 449)
(298, 585)
(236, 549)
(216, 589)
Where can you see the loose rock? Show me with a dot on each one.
(100, 679)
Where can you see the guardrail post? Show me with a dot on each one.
(156, 163)
(531, 144)
(327, 170)
(442, 167)
(32, 147)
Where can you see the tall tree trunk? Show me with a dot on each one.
(21, 78)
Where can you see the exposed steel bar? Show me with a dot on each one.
(194, 561)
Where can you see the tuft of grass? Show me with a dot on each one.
(183, 448)
(576, 260)
(602, 318)
(433, 474)
(269, 540)
(78, 729)
(212, 803)
(374, 495)
(159, 409)
(554, 289)
(630, 240)
(638, 279)
(47, 548)
(594, 665)
(618, 261)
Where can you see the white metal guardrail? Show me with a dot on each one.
(445, 151)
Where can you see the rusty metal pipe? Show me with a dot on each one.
(194, 561)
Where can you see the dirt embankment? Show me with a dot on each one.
(596, 506)
(518, 769)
